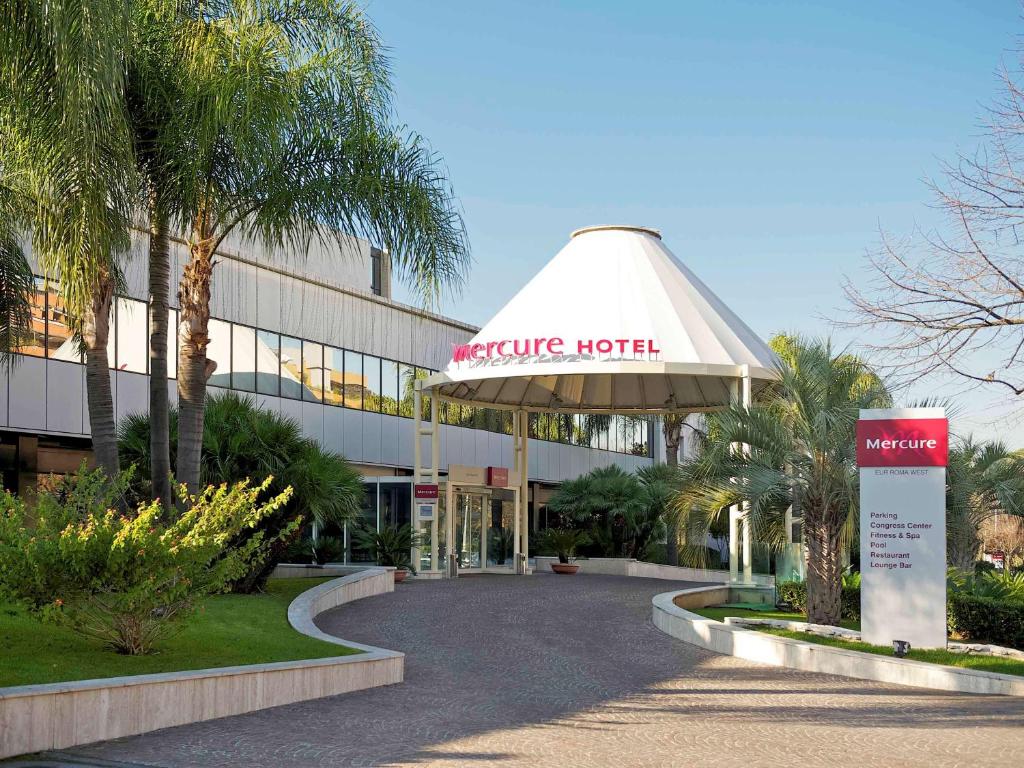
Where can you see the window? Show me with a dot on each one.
(60, 343)
(243, 358)
(312, 371)
(406, 384)
(422, 373)
(355, 384)
(32, 341)
(376, 271)
(219, 351)
(291, 367)
(334, 376)
(268, 367)
(132, 336)
(371, 375)
(389, 387)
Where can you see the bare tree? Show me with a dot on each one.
(1004, 533)
(953, 302)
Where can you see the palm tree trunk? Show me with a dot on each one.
(95, 333)
(193, 367)
(159, 410)
(824, 572)
(671, 426)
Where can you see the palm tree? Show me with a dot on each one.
(672, 429)
(279, 133)
(64, 146)
(802, 453)
(244, 441)
(16, 279)
(983, 480)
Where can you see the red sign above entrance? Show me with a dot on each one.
(902, 442)
(497, 477)
(425, 491)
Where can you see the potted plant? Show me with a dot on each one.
(563, 543)
(391, 546)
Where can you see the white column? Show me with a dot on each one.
(435, 474)
(517, 466)
(748, 559)
(734, 545)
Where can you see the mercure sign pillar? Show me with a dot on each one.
(901, 455)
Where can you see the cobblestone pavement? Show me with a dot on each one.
(569, 671)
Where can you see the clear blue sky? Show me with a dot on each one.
(768, 141)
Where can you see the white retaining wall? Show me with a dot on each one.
(626, 566)
(60, 715)
(813, 657)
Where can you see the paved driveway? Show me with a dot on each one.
(569, 671)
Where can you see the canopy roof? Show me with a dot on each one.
(613, 323)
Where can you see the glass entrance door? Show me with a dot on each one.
(470, 529)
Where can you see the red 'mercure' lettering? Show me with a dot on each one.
(499, 349)
(461, 353)
(473, 349)
(555, 342)
(490, 349)
(524, 351)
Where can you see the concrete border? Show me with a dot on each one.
(34, 718)
(813, 657)
(627, 566)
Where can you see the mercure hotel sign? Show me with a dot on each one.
(902, 456)
(541, 348)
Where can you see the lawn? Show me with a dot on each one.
(999, 664)
(227, 630)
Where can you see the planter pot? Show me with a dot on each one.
(401, 575)
(566, 569)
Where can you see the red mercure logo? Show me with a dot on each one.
(506, 349)
(425, 491)
(902, 442)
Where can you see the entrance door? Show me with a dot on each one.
(470, 529)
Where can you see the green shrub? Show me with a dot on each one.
(795, 593)
(242, 440)
(1000, 585)
(562, 542)
(123, 577)
(987, 619)
(391, 545)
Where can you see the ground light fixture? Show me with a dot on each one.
(900, 648)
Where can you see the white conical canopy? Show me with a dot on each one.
(615, 322)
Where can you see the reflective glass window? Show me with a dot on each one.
(32, 341)
(312, 371)
(291, 367)
(334, 376)
(132, 336)
(219, 351)
(406, 382)
(371, 375)
(355, 384)
(60, 342)
(389, 387)
(268, 367)
(243, 358)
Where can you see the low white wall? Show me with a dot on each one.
(306, 571)
(60, 715)
(812, 657)
(626, 566)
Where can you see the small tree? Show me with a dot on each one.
(802, 453)
(123, 578)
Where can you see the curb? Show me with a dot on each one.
(812, 657)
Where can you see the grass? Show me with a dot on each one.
(999, 664)
(227, 630)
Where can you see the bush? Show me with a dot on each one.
(241, 440)
(795, 593)
(123, 578)
(987, 619)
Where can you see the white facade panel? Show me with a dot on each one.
(132, 394)
(27, 405)
(313, 421)
(390, 426)
(371, 437)
(65, 390)
(268, 299)
(292, 409)
(353, 429)
(334, 430)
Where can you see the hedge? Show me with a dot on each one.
(987, 619)
(795, 593)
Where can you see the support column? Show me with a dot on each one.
(734, 548)
(521, 525)
(422, 474)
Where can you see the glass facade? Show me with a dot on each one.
(249, 359)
